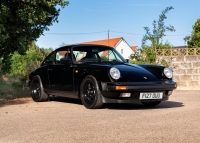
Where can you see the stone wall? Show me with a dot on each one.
(186, 71)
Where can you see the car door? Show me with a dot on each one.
(44, 69)
(60, 75)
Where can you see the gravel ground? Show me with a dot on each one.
(65, 120)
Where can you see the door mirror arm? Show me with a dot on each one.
(127, 60)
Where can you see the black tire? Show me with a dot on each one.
(90, 93)
(151, 104)
(37, 91)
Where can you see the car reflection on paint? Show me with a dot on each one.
(98, 74)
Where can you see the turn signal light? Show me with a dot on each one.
(121, 87)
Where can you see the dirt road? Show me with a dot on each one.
(67, 121)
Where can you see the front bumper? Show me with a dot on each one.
(110, 94)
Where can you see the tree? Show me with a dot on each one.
(23, 21)
(148, 52)
(158, 31)
(146, 55)
(22, 65)
(193, 41)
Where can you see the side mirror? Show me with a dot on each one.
(127, 60)
(66, 61)
(48, 62)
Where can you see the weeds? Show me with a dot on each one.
(11, 90)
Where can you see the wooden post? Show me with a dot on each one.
(108, 37)
(170, 52)
(187, 52)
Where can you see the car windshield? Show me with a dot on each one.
(96, 54)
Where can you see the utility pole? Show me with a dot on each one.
(108, 37)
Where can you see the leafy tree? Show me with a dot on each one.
(148, 56)
(158, 31)
(23, 21)
(148, 53)
(193, 41)
(22, 65)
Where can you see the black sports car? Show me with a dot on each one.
(98, 74)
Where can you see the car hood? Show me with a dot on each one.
(135, 73)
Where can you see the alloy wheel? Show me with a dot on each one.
(89, 92)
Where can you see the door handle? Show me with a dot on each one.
(49, 69)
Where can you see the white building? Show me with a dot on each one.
(118, 43)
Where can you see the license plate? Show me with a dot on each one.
(151, 95)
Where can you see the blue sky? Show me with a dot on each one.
(89, 20)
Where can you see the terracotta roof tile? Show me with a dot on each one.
(110, 42)
(133, 47)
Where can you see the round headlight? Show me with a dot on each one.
(168, 72)
(115, 73)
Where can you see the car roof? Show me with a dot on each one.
(83, 45)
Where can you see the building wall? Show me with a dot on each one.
(186, 71)
(125, 48)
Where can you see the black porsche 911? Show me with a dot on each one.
(98, 74)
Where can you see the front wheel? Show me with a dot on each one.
(90, 93)
(154, 103)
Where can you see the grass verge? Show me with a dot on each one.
(9, 91)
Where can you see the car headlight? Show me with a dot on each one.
(168, 72)
(115, 73)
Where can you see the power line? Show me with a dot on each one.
(105, 32)
(125, 33)
(143, 34)
(75, 33)
(178, 35)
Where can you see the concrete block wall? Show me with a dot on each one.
(186, 71)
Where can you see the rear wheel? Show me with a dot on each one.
(154, 103)
(90, 93)
(37, 91)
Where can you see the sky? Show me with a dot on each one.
(90, 20)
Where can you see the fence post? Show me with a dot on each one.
(170, 52)
(186, 51)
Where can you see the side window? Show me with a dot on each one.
(62, 54)
(78, 55)
(49, 60)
